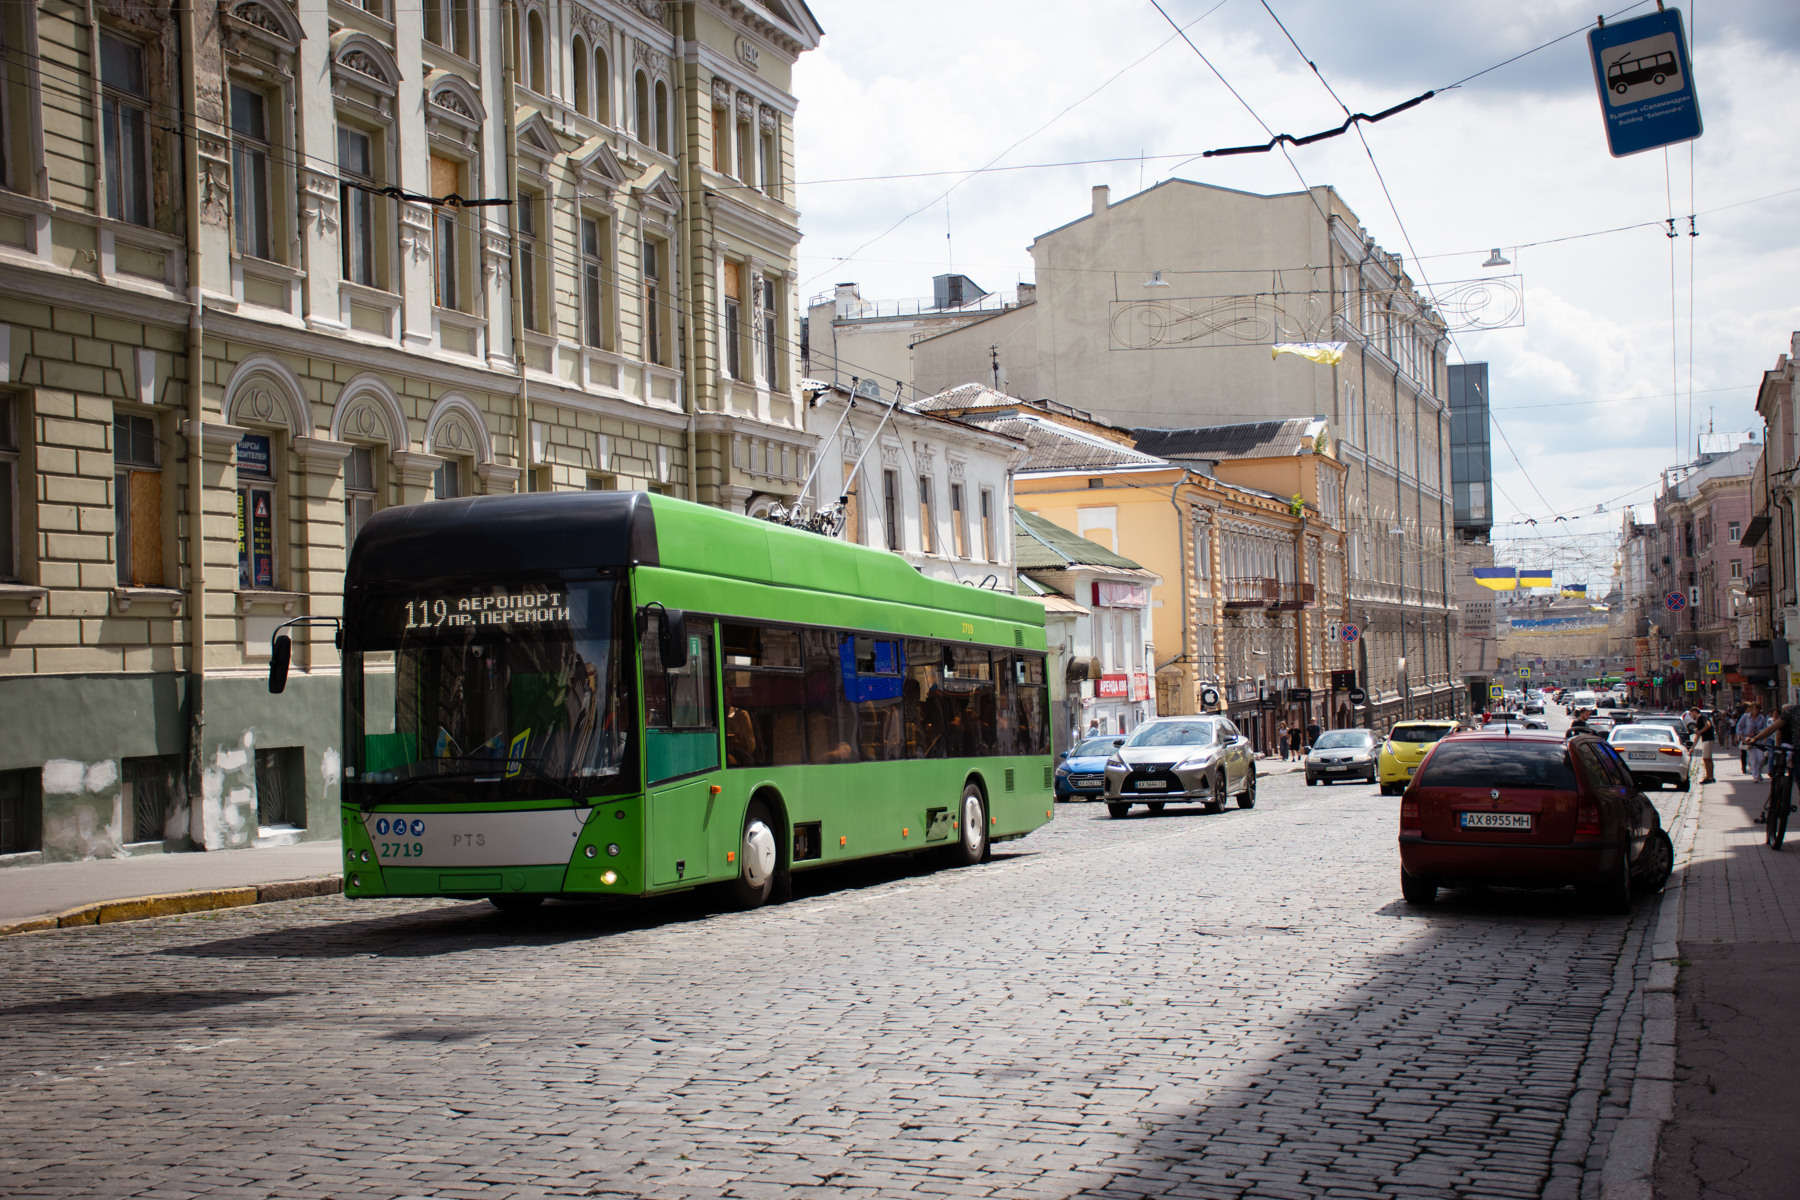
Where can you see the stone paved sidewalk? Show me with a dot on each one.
(1736, 1034)
(57, 887)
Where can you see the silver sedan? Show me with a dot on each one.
(1181, 760)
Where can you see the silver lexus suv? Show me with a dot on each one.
(1181, 760)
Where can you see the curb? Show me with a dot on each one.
(1629, 1172)
(170, 904)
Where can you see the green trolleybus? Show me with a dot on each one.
(619, 693)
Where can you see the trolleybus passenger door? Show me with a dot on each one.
(681, 750)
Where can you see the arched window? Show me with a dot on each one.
(642, 108)
(662, 116)
(534, 43)
(602, 88)
(581, 76)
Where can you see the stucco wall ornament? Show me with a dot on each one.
(746, 107)
(650, 8)
(766, 116)
(447, 99)
(654, 62)
(364, 63)
(721, 94)
(748, 53)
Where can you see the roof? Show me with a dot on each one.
(1050, 446)
(967, 398)
(1217, 443)
(1046, 546)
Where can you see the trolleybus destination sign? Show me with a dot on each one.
(1646, 82)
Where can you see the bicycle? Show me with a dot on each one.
(1781, 802)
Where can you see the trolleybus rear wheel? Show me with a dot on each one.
(758, 858)
(972, 832)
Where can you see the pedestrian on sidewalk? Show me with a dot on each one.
(1281, 743)
(1747, 724)
(1704, 734)
(1312, 734)
(1781, 728)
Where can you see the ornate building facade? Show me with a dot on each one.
(270, 267)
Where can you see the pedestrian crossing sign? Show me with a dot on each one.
(1693, 685)
(1495, 691)
(1712, 666)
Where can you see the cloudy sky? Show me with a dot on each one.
(1515, 158)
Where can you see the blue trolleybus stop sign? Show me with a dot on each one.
(1646, 82)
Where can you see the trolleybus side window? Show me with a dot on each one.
(873, 681)
(831, 722)
(679, 712)
(764, 696)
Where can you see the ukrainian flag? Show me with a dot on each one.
(1575, 591)
(1530, 577)
(1500, 579)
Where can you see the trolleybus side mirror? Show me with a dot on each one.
(674, 645)
(280, 653)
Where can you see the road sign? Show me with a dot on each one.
(1692, 685)
(1349, 632)
(1358, 696)
(1712, 666)
(1676, 601)
(1496, 692)
(1646, 83)
(1524, 672)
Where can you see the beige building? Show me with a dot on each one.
(1160, 311)
(407, 253)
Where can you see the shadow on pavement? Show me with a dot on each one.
(1448, 1071)
(138, 1003)
(457, 927)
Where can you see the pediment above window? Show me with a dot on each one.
(271, 23)
(596, 163)
(453, 108)
(537, 140)
(661, 194)
(361, 61)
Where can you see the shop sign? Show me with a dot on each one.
(1121, 595)
(1114, 687)
(1140, 686)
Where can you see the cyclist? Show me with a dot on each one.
(1780, 802)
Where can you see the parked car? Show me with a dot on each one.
(1081, 775)
(1532, 705)
(1342, 754)
(1405, 749)
(1530, 810)
(1181, 760)
(1654, 755)
(1669, 720)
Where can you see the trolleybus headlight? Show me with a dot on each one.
(591, 852)
(610, 878)
(612, 850)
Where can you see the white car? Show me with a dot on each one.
(1654, 754)
(1181, 760)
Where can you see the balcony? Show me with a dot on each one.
(1274, 594)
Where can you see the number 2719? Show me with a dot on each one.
(403, 849)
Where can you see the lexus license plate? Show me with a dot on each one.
(1152, 785)
(1495, 820)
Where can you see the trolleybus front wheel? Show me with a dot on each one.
(972, 838)
(758, 858)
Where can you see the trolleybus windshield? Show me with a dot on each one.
(467, 689)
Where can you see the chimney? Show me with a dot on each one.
(1101, 195)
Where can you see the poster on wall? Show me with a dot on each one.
(262, 540)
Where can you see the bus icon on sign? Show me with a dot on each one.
(1655, 69)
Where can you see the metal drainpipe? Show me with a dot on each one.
(196, 361)
(1181, 550)
(684, 168)
(509, 102)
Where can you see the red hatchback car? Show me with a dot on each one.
(1524, 808)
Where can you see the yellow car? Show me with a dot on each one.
(1405, 749)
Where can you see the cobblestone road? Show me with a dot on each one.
(1217, 1006)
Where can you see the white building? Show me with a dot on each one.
(934, 490)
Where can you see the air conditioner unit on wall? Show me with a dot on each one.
(1790, 623)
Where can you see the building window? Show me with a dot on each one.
(602, 87)
(771, 172)
(21, 812)
(595, 325)
(1737, 567)
(987, 525)
(1733, 531)
(446, 481)
(770, 326)
(721, 139)
(9, 489)
(359, 492)
(579, 56)
(281, 787)
(852, 509)
(927, 531)
(446, 179)
(653, 302)
(529, 260)
(602, 483)
(641, 107)
(149, 795)
(256, 511)
(959, 529)
(537, 479)
(731, 330)
(17, 72)
(662, 115)
(250, 172)
(356, 162)
(447, 25)
(890, 508)
(137, 502)
(746, 148)
(534, 50)
(125, 124)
